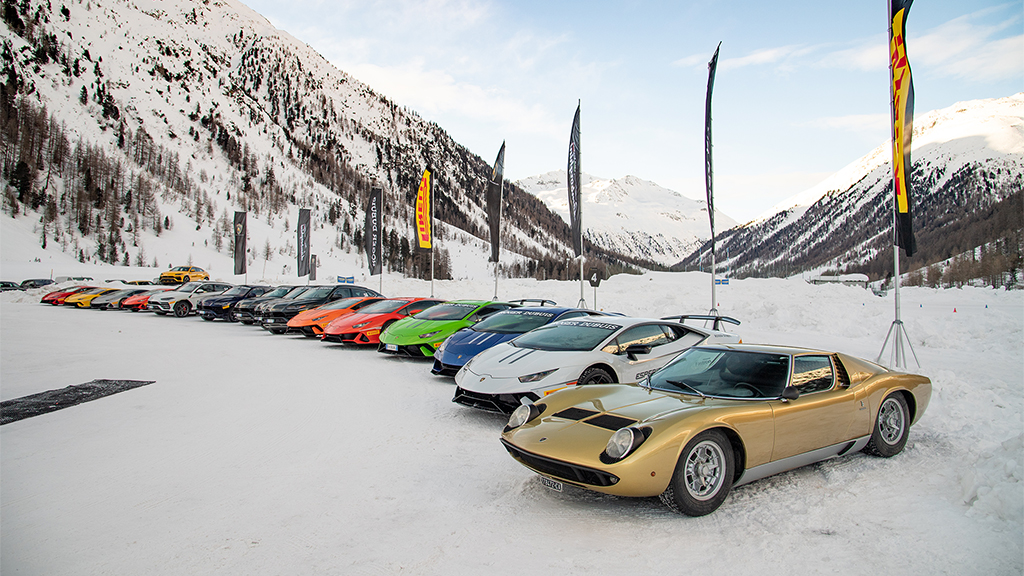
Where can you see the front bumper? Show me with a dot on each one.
(502, 403)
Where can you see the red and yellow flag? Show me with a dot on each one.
(424, 234)
(902, 91)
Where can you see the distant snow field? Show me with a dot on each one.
(261, 454)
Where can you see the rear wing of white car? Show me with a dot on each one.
(715, 319)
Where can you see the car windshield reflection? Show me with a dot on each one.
(567, 336)
(514, 321)
(724, 374)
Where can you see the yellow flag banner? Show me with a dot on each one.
(902, 91)
(424, 234)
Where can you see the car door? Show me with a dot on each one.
(823, 414)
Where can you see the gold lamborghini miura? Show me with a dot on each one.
(714, 418)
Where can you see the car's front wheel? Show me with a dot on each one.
(595, 375)
(891, 427)
(182, 308)
(703, 475)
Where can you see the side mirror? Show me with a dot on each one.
(790, 393)
(634, 349)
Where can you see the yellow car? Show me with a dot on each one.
(182, 274)
(713, 418)
(84, 298)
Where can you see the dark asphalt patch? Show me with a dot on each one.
(53, 400)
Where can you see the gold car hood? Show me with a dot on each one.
(624, 400)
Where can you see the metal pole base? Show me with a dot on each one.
(898, 355)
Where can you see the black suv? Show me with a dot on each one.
(222, 306)
(276, 315)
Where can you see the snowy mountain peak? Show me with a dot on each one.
(632, 215)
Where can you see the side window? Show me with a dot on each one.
(488, 310)
(574, 314)
(420, 306)
(812, 374)
(648, 335)
(341, 293)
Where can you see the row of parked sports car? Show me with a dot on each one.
(615, 404)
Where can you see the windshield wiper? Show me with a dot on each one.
(681, 383)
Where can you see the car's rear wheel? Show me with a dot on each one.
(703, 475)
(892, 427)
(595, 375)
(182, 308)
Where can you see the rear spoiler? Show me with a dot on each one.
(537, 301)
(710, 318)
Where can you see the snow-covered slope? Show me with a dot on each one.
(966, 158)
(631, 215)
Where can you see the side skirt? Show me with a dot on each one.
(793, 462)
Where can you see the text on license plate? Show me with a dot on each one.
(551, 484)
(391, 347)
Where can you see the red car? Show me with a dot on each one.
(365, 326)
(311, 323)
(140, 301)
(57, 297)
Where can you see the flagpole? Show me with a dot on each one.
(582, 303)
(431, 184)
(709, 171)
(897, 358)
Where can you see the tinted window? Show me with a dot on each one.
(421, 305)
(812, 374)
(725, 373)
(383, 307)
(341, 304)
(450, 311)
(514, 321)
(569, 335)
(648, 335)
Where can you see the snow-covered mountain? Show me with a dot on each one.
(966, 183)
(124, 119)
(632, 216)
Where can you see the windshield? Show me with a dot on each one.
(317, 292)
(188, 287)
(294, 293)
(450, 311)
(514, 321)
(383, 307)
(276, 292)
(724, 373)
(236, 291)
(180, 269)
(567, 335)
(341, 304)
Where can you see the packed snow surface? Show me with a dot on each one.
(262, 454)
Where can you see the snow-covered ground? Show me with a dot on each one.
(262, 454)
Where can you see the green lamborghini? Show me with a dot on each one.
(420, 335)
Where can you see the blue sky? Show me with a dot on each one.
(801, 89)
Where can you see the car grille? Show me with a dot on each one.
(444, 369)
(568, 472)
(415, 351)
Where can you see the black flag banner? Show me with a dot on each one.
(573, 185)
(709, 172)
(494, 189)
(902, 90)
(371, 231)
(302, 233)
(240, 235)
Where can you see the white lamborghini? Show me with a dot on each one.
(577, 352)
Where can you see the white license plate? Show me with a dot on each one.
(391, 347)
(551, 484)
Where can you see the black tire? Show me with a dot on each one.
(892, 426)
(595, 375)
(182, 308)
(703, 476)
(186, 279)
(208, 318)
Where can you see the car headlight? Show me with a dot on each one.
(429, 334)
(535, 376)
(318, 318)
(624, 442)
(360, 325)
(523, 414)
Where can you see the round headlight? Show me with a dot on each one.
(623, 442)
(522, 415)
